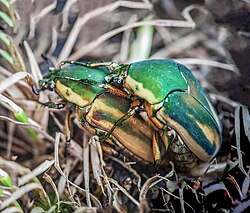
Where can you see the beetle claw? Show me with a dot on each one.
(35, 90)
(53, 105)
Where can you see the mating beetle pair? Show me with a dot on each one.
(140, 105)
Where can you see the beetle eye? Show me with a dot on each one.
(118, 81)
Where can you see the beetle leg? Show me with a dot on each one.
(130, 113)
(36, 90)
(44, 85)
(165, 139)
(53, 105)
(107, 87)
(116, 91)
(156, 148)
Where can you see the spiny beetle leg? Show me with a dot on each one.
(109, 88)
(156, 149)
(53, 105)
(130, 113)
(36, 90)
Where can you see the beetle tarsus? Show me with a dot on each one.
(53, 105)
(35, 90)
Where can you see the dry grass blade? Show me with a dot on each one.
(170, 174)
(12, 128)
(12, 209)
(224, 99)
(95, 201)
(56, 154)
(65, 14)
(125, 43)
(8, 82)
(38, 210)
(146, 186)
(54, 42)
(102, 165)
(36, 18)
(86, 168)
(51, 182)
(242, 207)
(246, 121)
(19, 193)
(158, 22)
(178, 46)
(206, 62)
(35, 70)
(44, 12)
(144, 190)
(4, 72)
(238, 140)
(179, 198)
(63, 181)
(245, 186)
(10, 105)
(182, 200)
(86, 210)
(37, 171)
(94, 13)
(96, 163)
(28, 125)
(186, 12)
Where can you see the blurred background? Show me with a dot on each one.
(212, 38)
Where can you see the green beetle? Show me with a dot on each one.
(101, 108)
(174, 98)
(79, 83)
(163, 92)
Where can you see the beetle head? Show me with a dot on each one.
(117, 75)
(48, 82)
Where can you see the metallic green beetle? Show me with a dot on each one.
(173, 97)
(78, 84)
(166, 94)
(101, 107)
